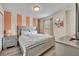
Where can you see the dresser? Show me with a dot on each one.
(9, 41)
(65, 47)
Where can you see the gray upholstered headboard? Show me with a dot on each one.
(20, 29)
(23, 28)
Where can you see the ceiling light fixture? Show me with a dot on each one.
(36, 8)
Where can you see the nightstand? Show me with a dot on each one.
(9, 41)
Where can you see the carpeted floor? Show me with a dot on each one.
(15, 51)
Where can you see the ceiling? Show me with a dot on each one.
(46, 9)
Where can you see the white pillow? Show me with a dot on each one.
(34, 32)
(26, 33)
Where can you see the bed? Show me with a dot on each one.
(33, 44)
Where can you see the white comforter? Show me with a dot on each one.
(30, 41)
(27, 42)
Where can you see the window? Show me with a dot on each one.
(7, 21)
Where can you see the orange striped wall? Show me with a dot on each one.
(7, 21)
(27, 21)
(19, 20)
(34, 22)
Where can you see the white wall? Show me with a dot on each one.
(1, 9)
(69, 29)
(59, 31)
(14, 14)
(1, 26)
(1, 20)
(14, 21)
(71, 20)
(69, 16)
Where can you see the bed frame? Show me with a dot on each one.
(37, 50)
